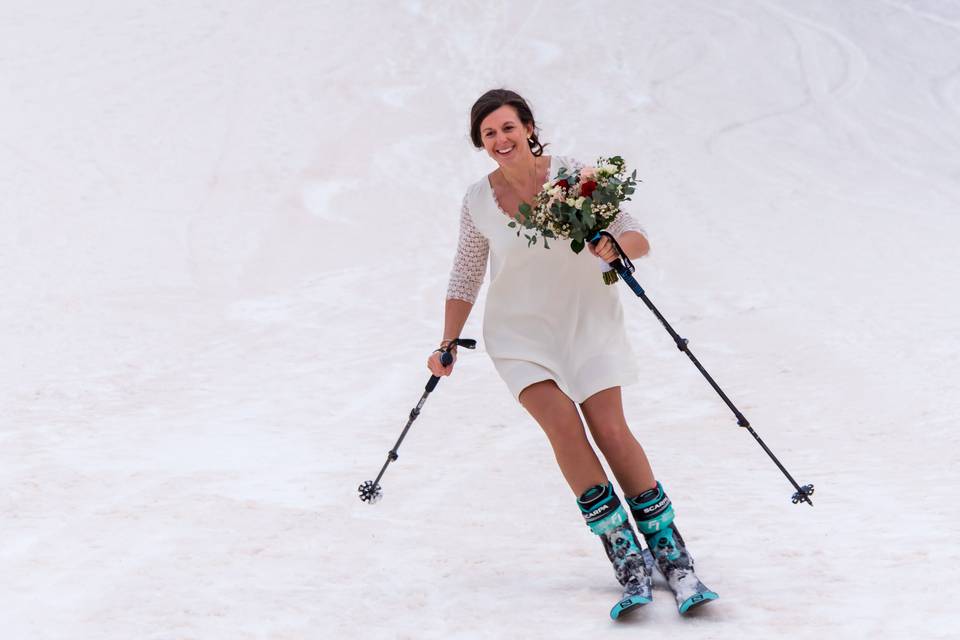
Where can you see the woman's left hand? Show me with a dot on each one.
(604, 249)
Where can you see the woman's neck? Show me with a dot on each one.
(524, 175)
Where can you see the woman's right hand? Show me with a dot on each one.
(436, 368)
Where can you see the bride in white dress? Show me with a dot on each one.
(555, 334)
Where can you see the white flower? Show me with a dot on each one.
(579, 203)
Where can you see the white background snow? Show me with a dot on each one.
(227, 230)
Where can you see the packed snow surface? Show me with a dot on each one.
(227, 231)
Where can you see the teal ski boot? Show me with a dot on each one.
(654, 515)
(606, 517)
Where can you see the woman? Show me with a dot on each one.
(555, 334)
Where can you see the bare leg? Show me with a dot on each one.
(604, 413)
(557, 415)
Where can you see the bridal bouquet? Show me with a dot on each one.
(575, 206)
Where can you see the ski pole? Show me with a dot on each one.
(371, 491)
(803, 493)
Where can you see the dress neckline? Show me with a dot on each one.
(493, 194)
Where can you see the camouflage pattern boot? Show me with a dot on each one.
(654, 515)
(606, 517)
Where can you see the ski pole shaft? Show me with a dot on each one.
(445, 359)
(371, 491)
(625, 272)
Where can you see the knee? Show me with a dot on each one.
(612, 437)
(564, 430)
(553, 410)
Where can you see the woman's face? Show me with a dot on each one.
(505, 137)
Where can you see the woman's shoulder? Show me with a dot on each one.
(479, 187)
(471, 198)
(476, 188)
(479, 183)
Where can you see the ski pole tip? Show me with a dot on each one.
(803, 495)
(370, 492)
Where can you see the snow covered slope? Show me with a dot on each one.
(227, 228)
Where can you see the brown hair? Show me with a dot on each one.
(493, 100)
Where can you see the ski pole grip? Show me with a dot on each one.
(446, 358)
(616, 264)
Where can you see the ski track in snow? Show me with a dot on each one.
(228, 230)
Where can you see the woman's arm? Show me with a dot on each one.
(455, 316)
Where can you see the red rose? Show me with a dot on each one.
(587, 188)
(563, 183)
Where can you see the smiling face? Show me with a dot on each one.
(504, 136)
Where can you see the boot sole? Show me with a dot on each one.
(697, 600)
(628, 604)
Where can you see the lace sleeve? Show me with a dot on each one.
(624, 222)
(470, 261)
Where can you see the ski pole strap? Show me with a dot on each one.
(447, 345)
(469, 343)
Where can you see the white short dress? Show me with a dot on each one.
(548, 316)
